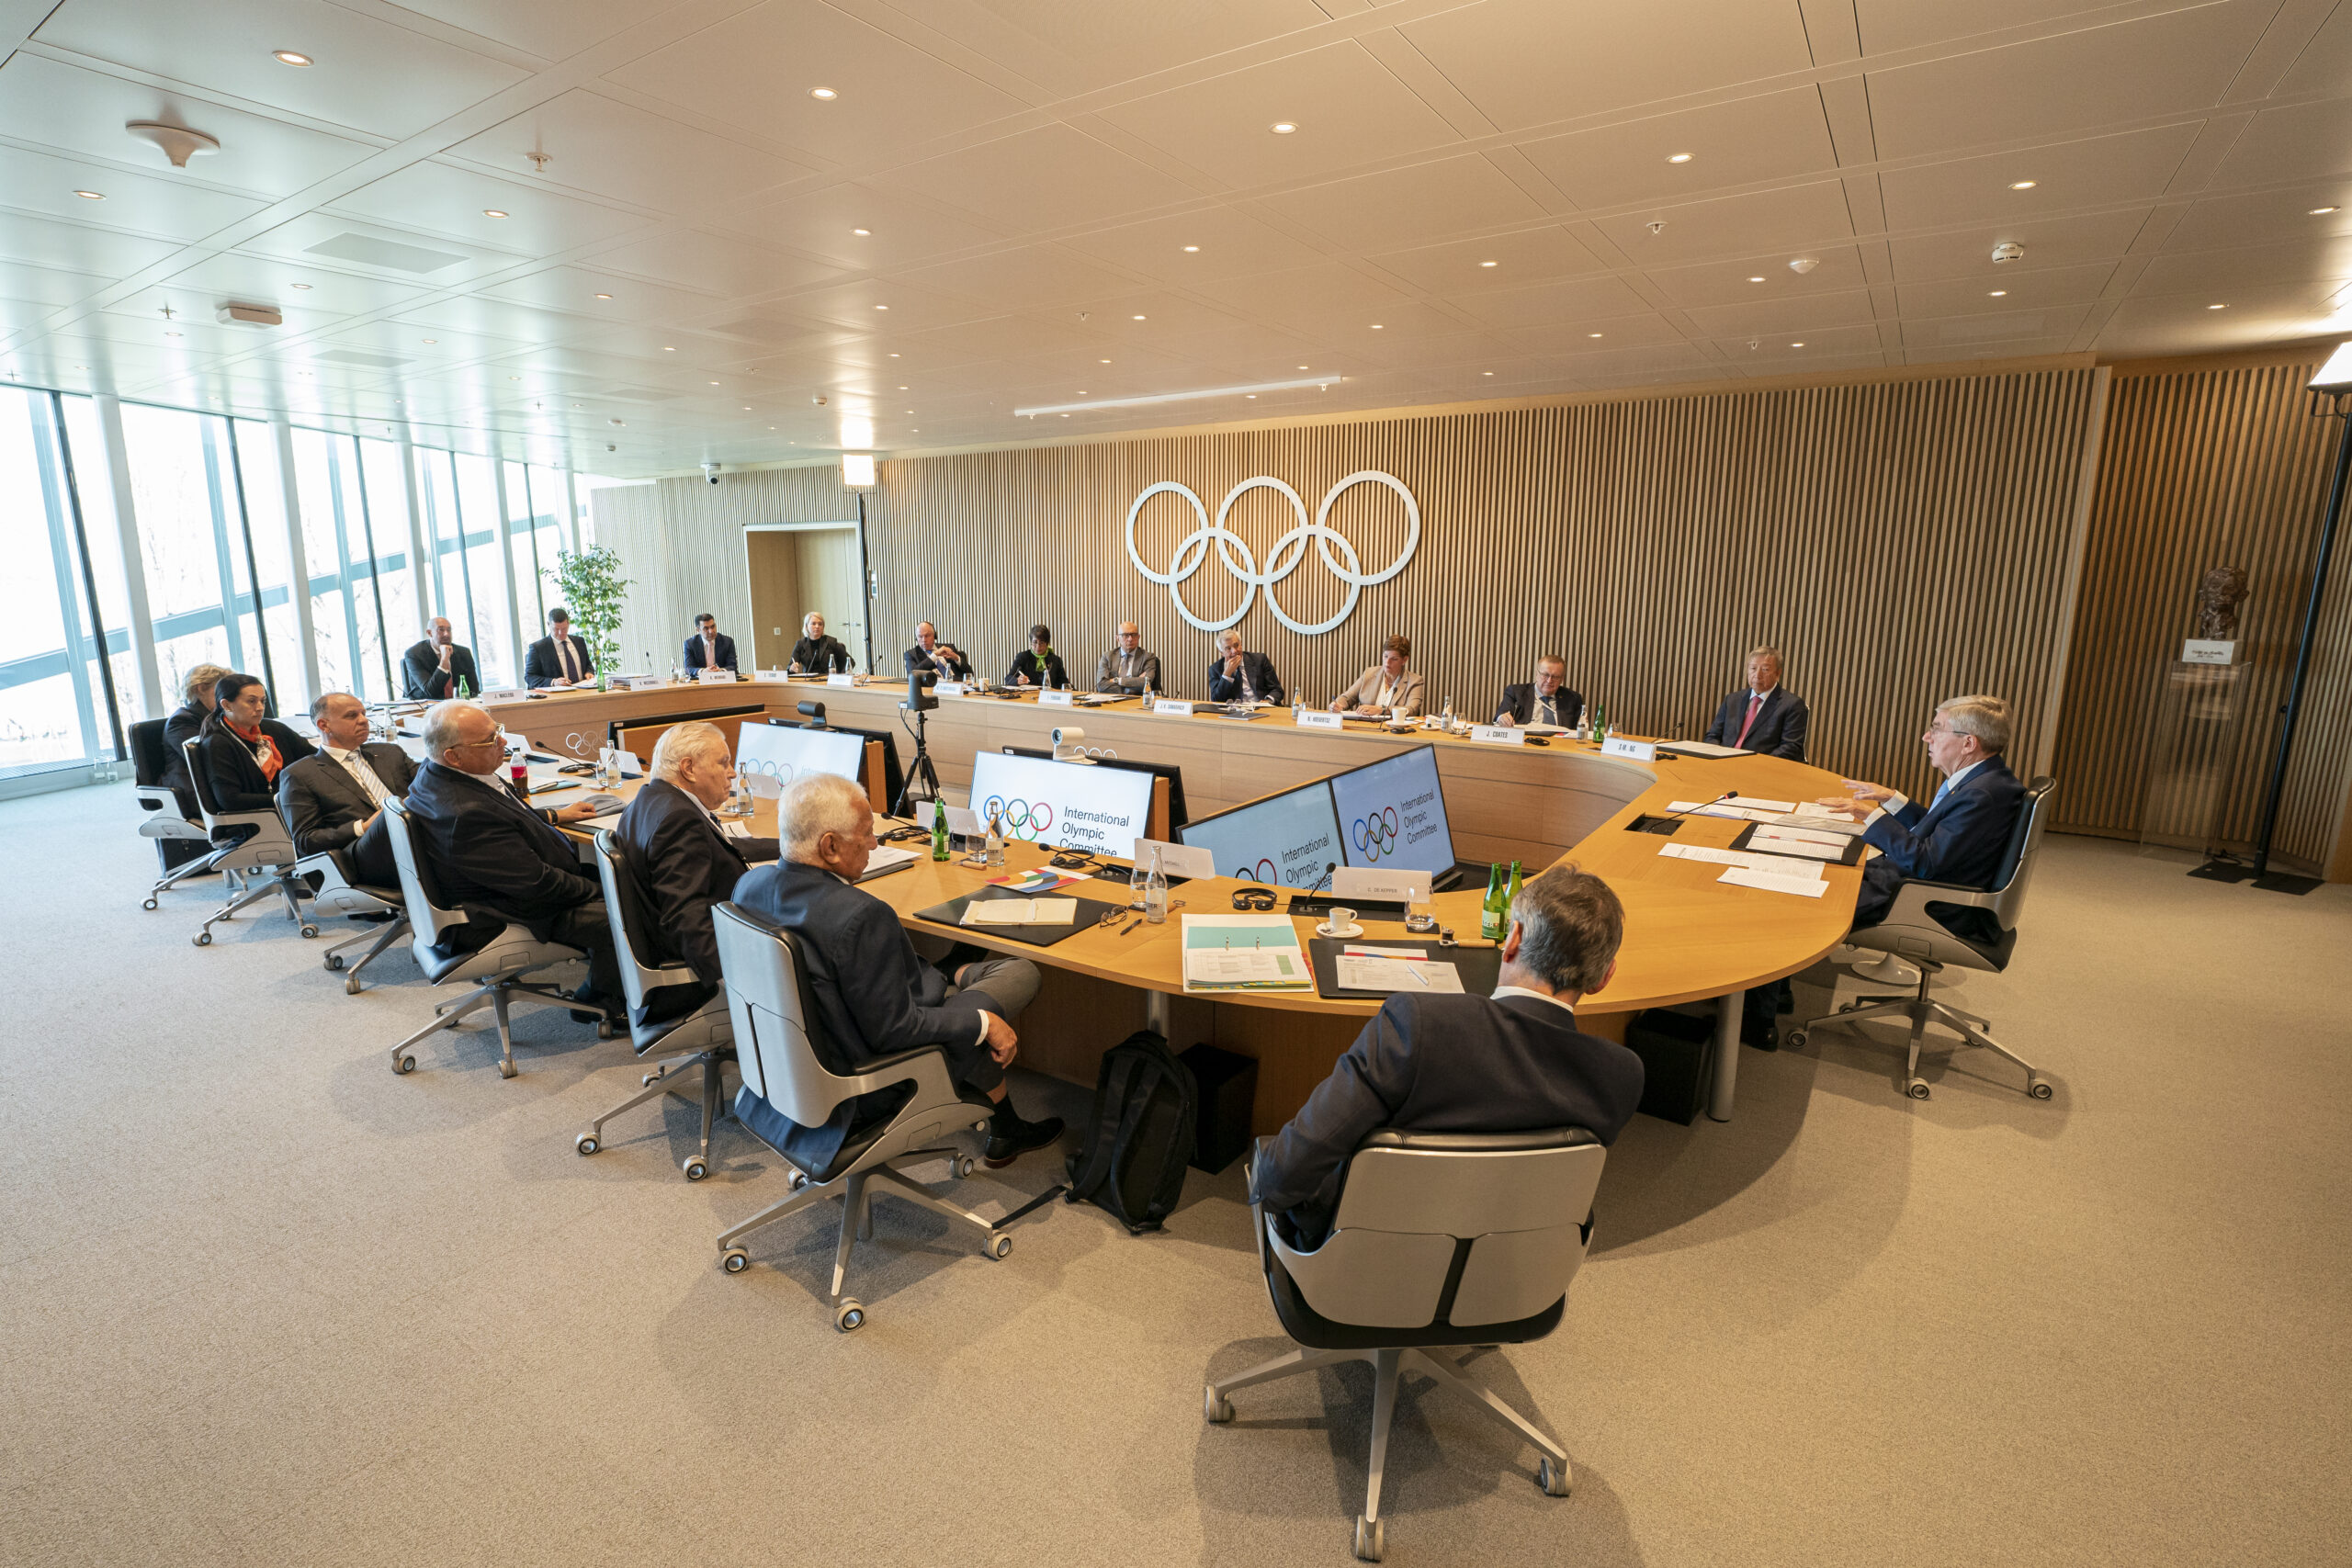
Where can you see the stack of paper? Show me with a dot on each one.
(1244, 952)
(1393, 969)
(1704, 748)
(1802, 841)
(886, 860)
(1021, 912)
(1745, 860)
(1777, 882)
(1037, 880)
(1820, 818)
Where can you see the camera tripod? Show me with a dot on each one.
(918, 772)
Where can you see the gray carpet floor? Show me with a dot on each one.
(261, 1301)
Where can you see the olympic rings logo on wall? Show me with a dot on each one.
(1262, 872)
(1021, 820)
(1289, 552)
(1373, 835)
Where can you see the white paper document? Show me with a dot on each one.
(1365, 973)
(1771, 883)
(1702, 748)
(1810, 847)
(1021, 912)
(1801, 835)
(1240, 966)
(1721, 808)
(1820, 818)
(886, 860)
(1745, 860)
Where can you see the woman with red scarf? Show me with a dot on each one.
(243, 752)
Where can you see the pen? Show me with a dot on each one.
(1130, 926)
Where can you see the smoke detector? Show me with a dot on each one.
(178, 142)
(1803, 264)
(1656, 225)
(2008, 251)
(236, 315)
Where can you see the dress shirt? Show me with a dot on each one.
(1755, 708)
(356, 763)
(1502, 991)
(1897, 801)
(1387, 698)
(711, 650)
(1546, 710)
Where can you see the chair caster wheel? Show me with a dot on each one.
(309, 931)
(148, 905)
(202, 939)
(401, 1066)
(335, 960)
(1794, 1038)
(694, 1169)
(1371, 1542)
(960, 1167)
(800, 1179)
(352, 986)
(1917, 1089)
(2038, 1086)
(1215, 1408)
(1553, 1476)
(587, 1144)
(735, 1260)
(604, 1029)
(505, 1069)
(849, 1318)
(996, 1246)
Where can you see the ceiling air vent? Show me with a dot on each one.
(368, 250)
(358, 356)
(235, 315)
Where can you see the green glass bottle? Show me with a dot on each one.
(1600, 722)
(1510, 896)
(938, 828)
(1490, 915)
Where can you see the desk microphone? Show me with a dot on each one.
(1702, 805)
(1328, 867)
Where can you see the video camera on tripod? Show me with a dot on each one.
(919, 684)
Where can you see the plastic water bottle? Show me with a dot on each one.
(739, 799)
(995, 845)
(1449, 716)
(1298, 705)
(1155, 893)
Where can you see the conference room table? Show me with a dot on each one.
(1689, 936)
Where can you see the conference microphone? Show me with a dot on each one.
(1702, 805)
(1328, 867)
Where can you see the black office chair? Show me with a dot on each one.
(1912, 930)
(254, 845)
(183, 848)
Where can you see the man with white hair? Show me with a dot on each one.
(1239, 676)
(684, 858)
(1764, 715)
(875, 995)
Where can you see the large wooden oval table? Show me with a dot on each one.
(1689, 936)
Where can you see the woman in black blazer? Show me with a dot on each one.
(244, 752)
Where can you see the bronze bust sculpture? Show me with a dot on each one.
(2218, 595)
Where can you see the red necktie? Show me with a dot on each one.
(1755, 706)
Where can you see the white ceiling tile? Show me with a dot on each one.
(552, 32)
(328, 241)
(1791, 350)
(1347, 107)
(2021, 290)
(1891, 25)
(1033, 277)
(2181, 324)
(2167, 64)
(2066, 176)
(1993, 327)
(1801, 217)
(877, 305)
(1229, 244)
(1728, 282)
(1606, 336)
(139, 203)
(1052, 177)
(2217, 274)
(77, 247)
(2300, 141)
(2326, 64)
(1528, 63)
(599, 147)
(1774, 135)
(367, 74)
(756, 69)
(575, 290)
(2048, 241)
(479, 315)
(900, 232)
(1416, 204)
(193, 305)
(713, 264)
(1565, 300)
(2271, 217)
(268, 280)
(47, 287)
(1531, 256)
(444, 201)
(1846, 308)
(1114, 43)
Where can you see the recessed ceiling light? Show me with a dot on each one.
(1796, 346)
(1142, 318)
(862, 233)
(714, 383)
(1997, 293)
(1251, 396)
(172, 334)
(1486, 372)
(824, 95)
(747, 409)
(89, 195)
(902, 388)
(429, 340)
(1592, 334)
(2217, 307)
(1065, 416)
(1755, 280)
(492, 212)
(1378, 327)
(603, 296)
(514, 378)
(303, 286)
(1302, 367)
(881, 307)
(1189, 249)
(1680, 158)
(669, 348)
(288, 57)
(1486, 264)
(1282, 128)
(2320, 211)
(2021, 185)
(894, 356)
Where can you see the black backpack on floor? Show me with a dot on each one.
(1140, 1138)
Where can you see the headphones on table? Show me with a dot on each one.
(1253, 898)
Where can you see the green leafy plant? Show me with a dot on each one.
(594, 591)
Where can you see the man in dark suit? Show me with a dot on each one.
(1544, 700)
(686, 860)
(334, 800)
(817, 653)
(708, 648)
(1428, 1063)
(939, 658)
(1237, 676)
(439, 668)
(875, 995)
(558, 659)
(490, 849)
(1765, 717)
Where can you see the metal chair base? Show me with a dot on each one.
(1923, 1010)
(393, 930)
(202, 865)
(1551, 1474)
(655, 1084)
(499, 993)
(254, 889)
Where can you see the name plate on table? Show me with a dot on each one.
(504, 695)
(841, 680)
(1176, 860)
(2201, 650)
(714, 677)
(1321, 721)
(950, 689)
(1061, 699)
(1381, 886)
(638, 683)
(1632, 750)
(1499, 734)
(1176, 705)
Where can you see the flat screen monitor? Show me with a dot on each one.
(790, 753)
(1065, 805)
(1286, 839)
(1174, 774)
(1392, 813)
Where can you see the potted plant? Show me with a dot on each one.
(593, 589)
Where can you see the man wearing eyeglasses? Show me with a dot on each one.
(1129, 667)
(488, 848)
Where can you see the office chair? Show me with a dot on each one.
(1912, 930)
(173, 828)
(264, 859)
(1441, 1239)
(501, 952)
(792, 1073)
(703, 1038)
(340, 892)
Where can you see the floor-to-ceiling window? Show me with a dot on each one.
(54, 712)
(493, 618)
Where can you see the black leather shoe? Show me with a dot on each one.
(1005, 1148)
(1763, 1037)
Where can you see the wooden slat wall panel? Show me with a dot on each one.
(2205, 469)
(1901, 541)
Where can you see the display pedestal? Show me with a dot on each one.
(2192, 750)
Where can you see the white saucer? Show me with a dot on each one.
(1324, 928)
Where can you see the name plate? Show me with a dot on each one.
(1173, 704)
(638, 683)
(1385, 886)
(1321, 721)
(1061, 699)
(2200, 651)
(1632, 750)
(950, 689)
(841, 680)
(714, 676)
(504, 695)
(1176, 860)
(1499, 734)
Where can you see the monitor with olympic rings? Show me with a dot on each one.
(1063, 805)
(1392, 813)
(1286, 839)
(787, 754)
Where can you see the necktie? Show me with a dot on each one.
(571, 671)
(356, 763)
(1545, 713)
(1755, 706)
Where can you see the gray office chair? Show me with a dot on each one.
(1912, 930)
(793, 1073)
(339, 891)
(265, 860)
(167, 822)
(703, 1038)
(469, 944)
(1441, 1239)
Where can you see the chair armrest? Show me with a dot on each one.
(156, 797)
(929, 1065)
(1911, 901)
(1257, 1210)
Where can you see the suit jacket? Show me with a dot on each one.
(238, 783)
(823, 654)
(323, 805)
(874, 996)
(1257, 667)
(916, 659)
(179, 728)
(726, 649)
(688, 866)
(489, 849)
(421, 676)
(1780, 725)
(543, 665)
(1024, 662)
(1520, 703)
(1108, 679)
(1368, 684)
(1444, 1064)
(1961, 838)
